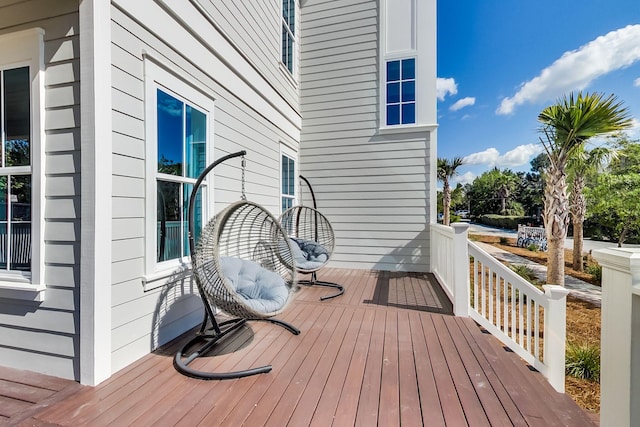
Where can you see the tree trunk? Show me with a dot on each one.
(556, 220)
(555, 262)
(578, 236)
(446, 202)
(578, 212)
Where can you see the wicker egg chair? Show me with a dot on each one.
(242, 266)
(312, 240)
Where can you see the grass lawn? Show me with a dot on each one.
(583, 320)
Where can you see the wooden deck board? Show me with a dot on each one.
(387, 352)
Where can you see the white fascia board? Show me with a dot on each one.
(96, 171)
(189, 31)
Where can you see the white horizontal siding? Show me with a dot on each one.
(142, 320)
(374, 189)
(254, 27)
(44, 337)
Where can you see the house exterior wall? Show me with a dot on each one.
(231, 55)
(44, 335)
(372, 182)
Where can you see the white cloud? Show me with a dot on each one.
(465, 178)
(461, 103)
(445, 86)
(636, 82)
(577, 68)
(521, 155)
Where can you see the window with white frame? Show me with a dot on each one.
(288, 33)
(287, 180)
(179, 141)
(20, 157)
(401, 92)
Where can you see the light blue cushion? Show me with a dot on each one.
(308, 254)
(261, 289)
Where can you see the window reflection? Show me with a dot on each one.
(182, 153)
(17, 123)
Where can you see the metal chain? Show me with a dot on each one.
(244, 167)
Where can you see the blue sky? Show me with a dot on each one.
(500, 62)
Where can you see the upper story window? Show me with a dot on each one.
(401, 92)
(179, 142)
(288, 33)
(288, 181)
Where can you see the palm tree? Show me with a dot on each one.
(585, 163)
(447, 170)
(567, 125)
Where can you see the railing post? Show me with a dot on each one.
(555, 335)
(460, 259)
(620, 337)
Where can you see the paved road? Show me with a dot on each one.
(588, 244)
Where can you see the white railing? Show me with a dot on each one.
(529, 321)
(620, 337)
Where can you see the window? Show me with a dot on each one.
(288, 181)
(181, 156)
(288, 33)
(179, 141)
(401, 92)
(21, 180)
(15, 170)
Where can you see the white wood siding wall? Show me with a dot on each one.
(142, 320)
(373, 188)
(44, 336)
(255, 28)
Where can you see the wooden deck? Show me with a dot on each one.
(388, 352)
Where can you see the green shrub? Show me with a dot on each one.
(504, 240)
(525, 272)
(583, 361)
(533, 247)
(595, 270)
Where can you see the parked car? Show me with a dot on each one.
(463, 214)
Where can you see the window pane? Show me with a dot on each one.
(4, 200)
(408, 69)
(21, 198)
(170, 134)
(285, 174)
(198, 216)
(169, 221)
(393, 93)
(287, 48)
(292, 178)
(393, 71)
(21, 246)
(409, 91)
(3, 246)
(393, 114)
(196, 142)
(285, 10)
(20, 222)
(17, 123)
(408, 113)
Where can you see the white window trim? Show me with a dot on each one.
(157, 274)
(285, 150)
(18, 49)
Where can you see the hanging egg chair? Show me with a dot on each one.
(243, 266)
(312, 241)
